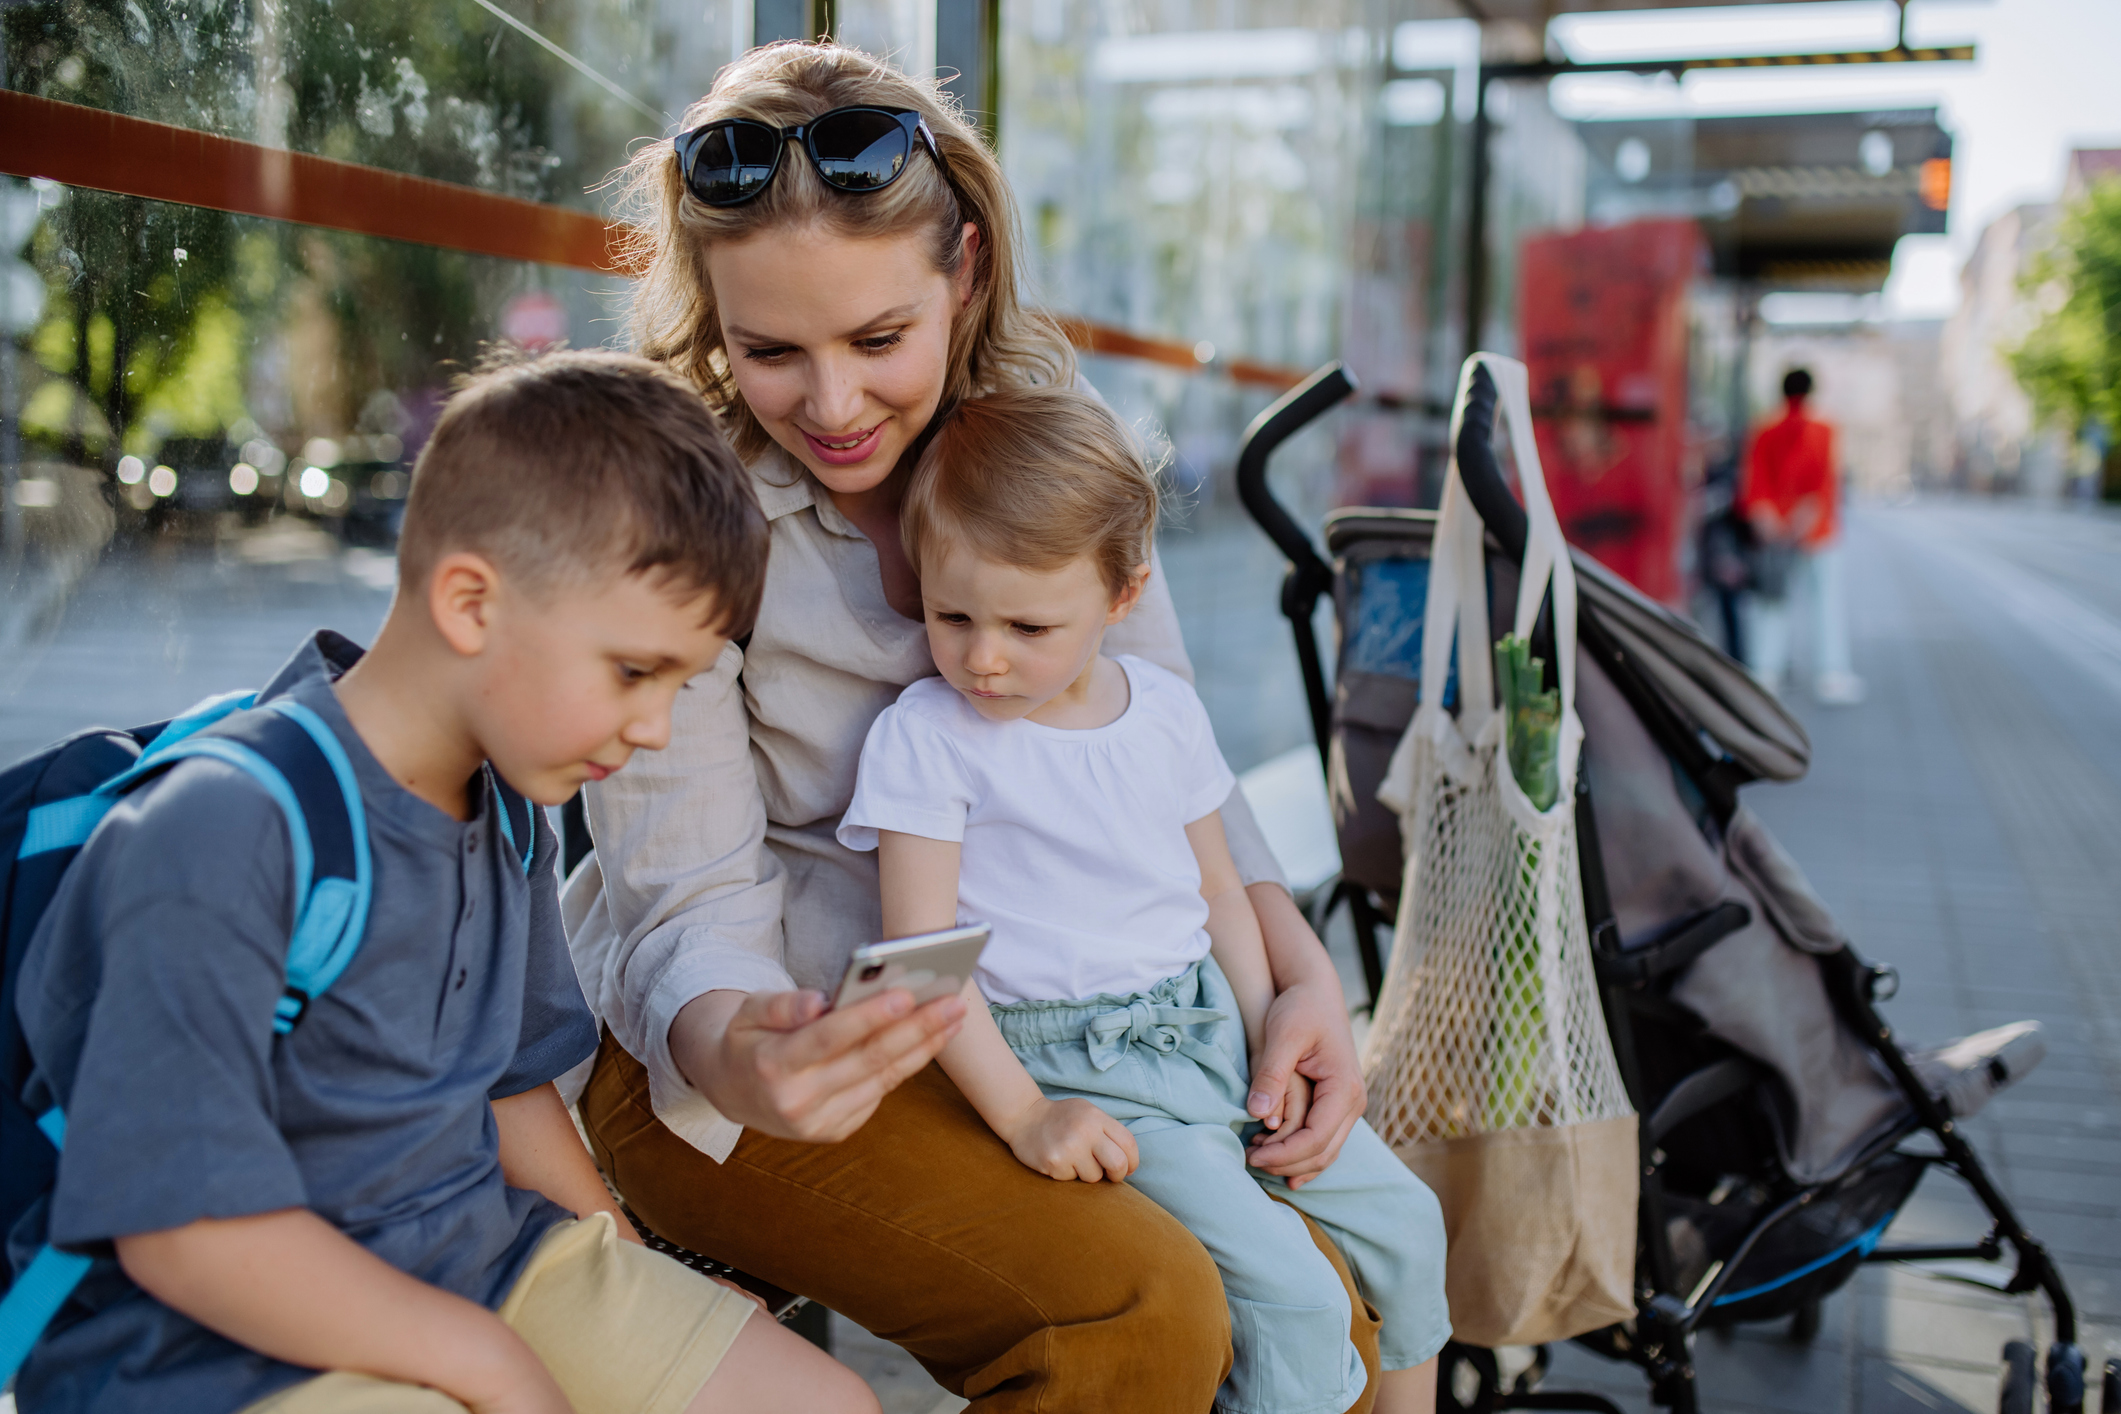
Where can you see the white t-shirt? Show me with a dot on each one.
(1074, 842)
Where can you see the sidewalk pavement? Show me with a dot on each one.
(1965, 825)
(1964, 822)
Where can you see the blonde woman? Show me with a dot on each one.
(829, 254)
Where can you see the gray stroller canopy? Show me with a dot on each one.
(1696, 680)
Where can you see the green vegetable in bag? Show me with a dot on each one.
(1532, 725)
(1532, 737)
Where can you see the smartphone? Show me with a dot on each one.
(930, 965)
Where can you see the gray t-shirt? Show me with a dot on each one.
(147, 1001)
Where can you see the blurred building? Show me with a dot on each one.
(1998, 443)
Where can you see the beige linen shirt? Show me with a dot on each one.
(716, 865)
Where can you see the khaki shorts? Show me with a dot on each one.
(624, 1331)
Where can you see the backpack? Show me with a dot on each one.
(51, 802)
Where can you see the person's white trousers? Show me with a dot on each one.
(1817, 590)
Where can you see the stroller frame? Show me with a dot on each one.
(1659, 1338)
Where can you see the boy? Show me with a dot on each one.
(393, 1192)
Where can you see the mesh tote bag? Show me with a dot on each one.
(1490, 1070)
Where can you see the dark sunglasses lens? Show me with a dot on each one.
(859, 151)
(733, 163)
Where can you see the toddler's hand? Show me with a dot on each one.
(1073, 1139)
(1295, 1104)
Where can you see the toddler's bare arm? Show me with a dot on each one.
(1240, 949)
(1233, 928)
(290, 1285)
(1061, 1139)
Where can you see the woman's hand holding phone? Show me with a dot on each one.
(782, 1063)
(1071, 1139)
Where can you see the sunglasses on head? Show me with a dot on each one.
(727, 163)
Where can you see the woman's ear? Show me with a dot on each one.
(1123, 602)
(968, 268)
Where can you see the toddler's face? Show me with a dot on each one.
(1011, 639)
(573, 682)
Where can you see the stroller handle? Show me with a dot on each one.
(1482, 473)
(1283, 418)
(1309, 576)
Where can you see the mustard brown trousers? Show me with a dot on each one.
(1014, 1291)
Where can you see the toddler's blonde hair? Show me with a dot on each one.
(1038, 477)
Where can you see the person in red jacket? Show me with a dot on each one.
(1790, 496)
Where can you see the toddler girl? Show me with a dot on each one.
(1070, 800)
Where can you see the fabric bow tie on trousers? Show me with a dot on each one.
(1159, 1028)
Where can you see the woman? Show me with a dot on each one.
(828, 324)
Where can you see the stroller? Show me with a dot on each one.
(1782, 1125)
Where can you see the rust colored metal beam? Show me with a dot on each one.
(88, 147)
(1119, 343)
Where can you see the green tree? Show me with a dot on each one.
(2070, 364)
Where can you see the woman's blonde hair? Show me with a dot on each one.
(995, 341)
(1036, 477)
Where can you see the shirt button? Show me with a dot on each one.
(473, 844)
(462, 974)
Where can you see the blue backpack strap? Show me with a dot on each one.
(43, 1286)
(294, 755)
(317, 777)
(519, 819)
(67, 824)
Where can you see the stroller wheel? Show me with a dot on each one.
(2065, 1378)
(1804, 1323)
(2020, 1380)
(1467, 1379)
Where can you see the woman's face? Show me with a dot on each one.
(838, 344)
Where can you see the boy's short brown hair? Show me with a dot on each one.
(1036, 477)
(566, 466)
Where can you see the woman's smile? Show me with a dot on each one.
(850, 450)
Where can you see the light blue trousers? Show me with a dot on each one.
(1170, 1064)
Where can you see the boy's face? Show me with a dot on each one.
(1010, 639)
(571, 682)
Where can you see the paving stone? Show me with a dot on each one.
(1898, 1385)
(1924, 1318)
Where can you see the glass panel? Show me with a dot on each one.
(902, 31)
(1262, 181)
(216, 418)
(538, 105)
(1188, 171)
(206, 420)
(1406, 292)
